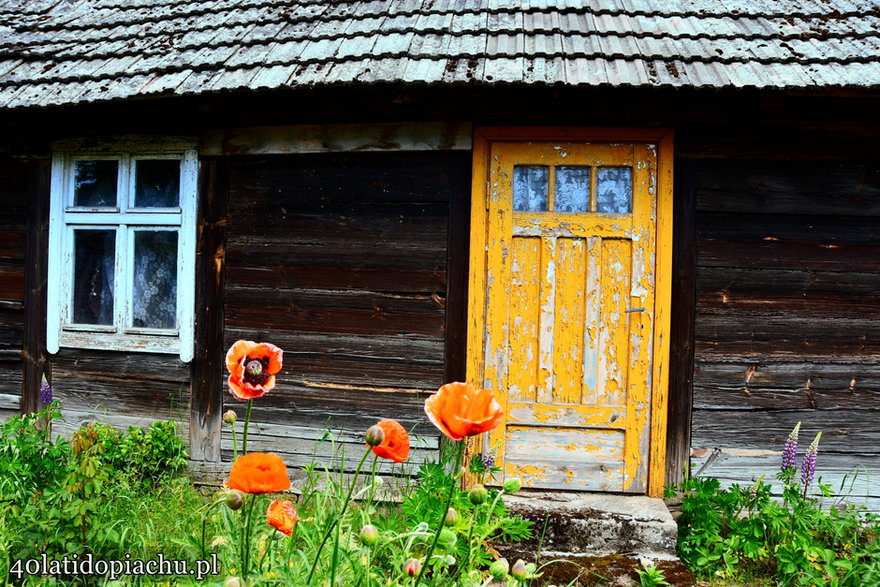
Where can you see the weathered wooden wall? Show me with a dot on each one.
(787, 322)
(13, 222)
(120, 389)
(341, 260)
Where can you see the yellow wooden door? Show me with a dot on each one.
(565, 253)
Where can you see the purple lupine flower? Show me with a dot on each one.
(808, 465)
(45, 391)
(789, 451)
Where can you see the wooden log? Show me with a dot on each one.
(733, 332)
(129, 385)
(679, 405)
(851, 477)
(790, 187)
(35, 360)
(846, 430)
(330, 138)
(208, 366)
(12, 280)
(457, 266)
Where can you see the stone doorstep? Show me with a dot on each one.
(597, 524)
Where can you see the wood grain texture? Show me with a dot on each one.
(852, 478)
(208, 366)
(121, 389)
(14, 190)
(35, 360)
(341, 260)
(682, 314)
(787, 326)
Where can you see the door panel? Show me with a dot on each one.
(566, 325)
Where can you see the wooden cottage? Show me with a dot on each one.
(652, 227)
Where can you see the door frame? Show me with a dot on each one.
(480, 191)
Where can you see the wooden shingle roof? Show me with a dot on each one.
(56, 52)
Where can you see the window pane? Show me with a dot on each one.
(155, 279)
(157, 183)
(93, 274)
(572, 189)
(614, 190)
(94, 183)
(530, 188)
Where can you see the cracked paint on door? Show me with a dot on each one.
(564, 240)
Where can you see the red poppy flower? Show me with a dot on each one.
(252, 367)
(258, 472)
(395, 445)
(282, 515)
(460, 409)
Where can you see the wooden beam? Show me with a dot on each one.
(35, 359)
(335, 138)
(681, 368)
(458, 252)
(208, 362)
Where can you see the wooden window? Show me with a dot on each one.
(122, 246)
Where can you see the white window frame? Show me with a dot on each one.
(64, 218)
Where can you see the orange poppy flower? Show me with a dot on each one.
(395, 445)
(258, 472)
(252, 367)
(282, 515)
(460, 409)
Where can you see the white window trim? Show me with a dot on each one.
(63, 218)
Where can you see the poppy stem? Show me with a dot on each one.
(339, 517)
(247, 421)
(372, 485)
(443, 511)
(246, 538)
(268, 544)
(234, 442)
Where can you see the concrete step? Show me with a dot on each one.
(602, 538)
(598, 523)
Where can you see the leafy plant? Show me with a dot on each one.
(746, 532)
(144, 455)
(651, 576)
(30, 460)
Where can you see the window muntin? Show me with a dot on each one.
(122, 249)
(572, 189)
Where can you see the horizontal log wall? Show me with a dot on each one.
(13, 240)
(120, 389)
(788, 322)
(340, 259)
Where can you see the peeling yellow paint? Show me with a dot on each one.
(567, 312)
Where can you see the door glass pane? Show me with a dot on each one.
(530, 188)
(94, 183)
(154, 293)
(157, 183)
(572, 189)
(614, 190)
(93, 274)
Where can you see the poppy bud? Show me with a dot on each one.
(499, 569)
(234, 499)
(518, 571)
(375, 435)
(478, 494)
(369, 535)
(411, 567)
(512, 485)
(447, 539)
(230, 417)
(451, 517)
(234, 582)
